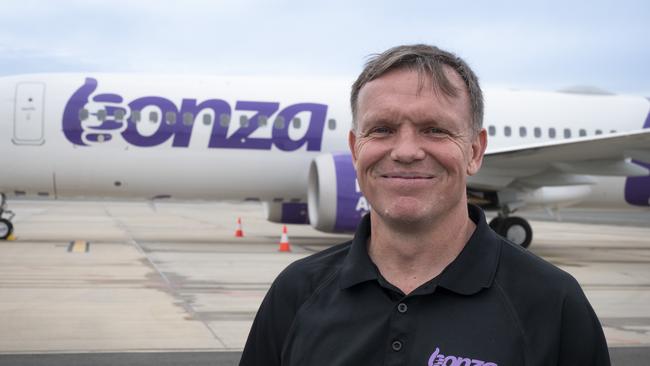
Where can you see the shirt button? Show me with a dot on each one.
(396, 345)
(402, 308)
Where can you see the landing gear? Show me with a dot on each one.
(513, 228)
(6, 228)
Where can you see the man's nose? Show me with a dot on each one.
(407, 147)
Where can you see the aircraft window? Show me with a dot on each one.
(331, 124)
(207, 119)
(170, 117)
(243, 121)
(583, 132)
(263, 120)
(279, 123)
(522, 131)
(119, 115)
(188, 118)
(101, 114)
(538, 132)
(507, 131)
(492, 130)
(296, 122)
(135, 116)
(567, 133)
(224, 120)
(551, 132)
(153, 117)
(612, 131)
(83, 114)
(599, 132)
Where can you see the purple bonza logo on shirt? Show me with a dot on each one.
(91, 118)
(438, 359)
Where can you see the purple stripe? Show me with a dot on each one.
(637, 189)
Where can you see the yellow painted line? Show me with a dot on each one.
(79, 246)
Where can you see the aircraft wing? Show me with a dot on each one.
(566, 162)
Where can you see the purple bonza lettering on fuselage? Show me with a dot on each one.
(637, 189)
(438, 359)
(180, 131)
(71, 121)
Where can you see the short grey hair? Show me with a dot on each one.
(429, 62)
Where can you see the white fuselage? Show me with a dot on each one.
(43, 156)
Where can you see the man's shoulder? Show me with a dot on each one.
(323, 260)
(306, 274)
(521, 269)
(548, 305)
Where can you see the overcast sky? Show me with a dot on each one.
(520, 44)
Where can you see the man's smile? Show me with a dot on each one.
(407, 175)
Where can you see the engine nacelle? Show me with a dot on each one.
(556, 196)
(335, 201)
(637, 189)
(286, 212)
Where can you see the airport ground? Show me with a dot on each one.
(169, 283)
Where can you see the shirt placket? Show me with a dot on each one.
(398, 341)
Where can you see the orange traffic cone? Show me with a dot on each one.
(239, 233)
(284, 241)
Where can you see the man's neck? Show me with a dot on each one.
(409, 256)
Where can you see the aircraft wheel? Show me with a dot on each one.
(517, 230)
(6, 228)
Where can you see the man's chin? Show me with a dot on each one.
(402, 216)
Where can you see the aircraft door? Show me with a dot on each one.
(28, 114)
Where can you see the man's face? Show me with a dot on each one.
(413, 149)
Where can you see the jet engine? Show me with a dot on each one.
(335, 202)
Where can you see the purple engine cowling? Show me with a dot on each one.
(287, 212)
(335, 202)
(637, 189)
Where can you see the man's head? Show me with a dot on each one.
(417, 133)
(428, 62)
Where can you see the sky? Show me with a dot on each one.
(547, 45)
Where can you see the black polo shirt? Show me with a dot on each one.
(495, 304)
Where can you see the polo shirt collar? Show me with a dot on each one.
(476, 265)
(473, 269)
(357, 266)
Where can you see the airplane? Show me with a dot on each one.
(284, 142)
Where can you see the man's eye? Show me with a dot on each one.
(435, 131)
(380, 131)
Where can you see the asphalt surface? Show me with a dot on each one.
(106, 283)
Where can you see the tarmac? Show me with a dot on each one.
(169, 283)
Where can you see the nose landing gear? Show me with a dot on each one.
(6, 227)
(513, 228)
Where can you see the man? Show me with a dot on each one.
(425, 281)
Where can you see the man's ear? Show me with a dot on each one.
(352, 140)
(478, 150)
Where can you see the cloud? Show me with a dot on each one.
(551, 44)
